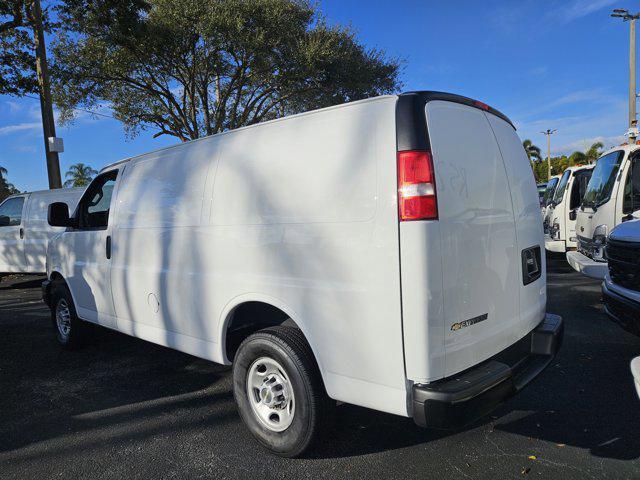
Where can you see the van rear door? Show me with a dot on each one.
(479, 247)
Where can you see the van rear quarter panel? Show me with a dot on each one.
(299, 212)
(305, 211)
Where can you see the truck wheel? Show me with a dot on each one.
(71, 332)
(279, 390)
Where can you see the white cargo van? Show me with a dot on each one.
(612, 197)
(368, 253)
(560, 222)
(24, 230)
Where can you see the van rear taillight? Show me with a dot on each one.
(416, 186)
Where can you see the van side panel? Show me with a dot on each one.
(158, 273)
(37, 231)
(533, 297)
(300, 213)
(305, 211)
(480, 272)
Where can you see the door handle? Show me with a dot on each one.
(21, 232)
(108, 246)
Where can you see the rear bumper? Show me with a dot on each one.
(558, 246)
(459, 400)
(46, 292)
(622, 310)
(583, 264)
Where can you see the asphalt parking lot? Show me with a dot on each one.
(124, 408)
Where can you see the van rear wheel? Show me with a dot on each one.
(71, 332)
(279, 391)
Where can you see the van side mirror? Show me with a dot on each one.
(4, 221)
(573, 215)
(58, 215)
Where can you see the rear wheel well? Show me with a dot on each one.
(247, 318)
(56, 276)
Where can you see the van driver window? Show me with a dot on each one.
(93, 211)
(11, 212)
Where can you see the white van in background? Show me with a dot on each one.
(560, 222)
(24, 230)
(359, 253)
(612, 197)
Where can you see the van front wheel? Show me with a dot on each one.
(71, 332)
(278, 389)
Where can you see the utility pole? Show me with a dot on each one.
(52, 145)
(548, 132)
(626, 16)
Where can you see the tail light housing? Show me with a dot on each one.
(416, 186)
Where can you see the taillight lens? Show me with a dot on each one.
(416, 186)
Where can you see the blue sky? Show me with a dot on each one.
(546, 64)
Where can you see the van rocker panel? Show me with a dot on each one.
(456, 401)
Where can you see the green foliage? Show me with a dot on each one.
(79, 175)
(6, 188)
(189, 68)
(17, 61)
(533, 152)
(561, 163)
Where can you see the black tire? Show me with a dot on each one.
(288, 347)
(78, 330)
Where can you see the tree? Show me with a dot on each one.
(594, 152)
(189, 68)
(6, 188)
(532, 151)
(17, 57)
(79, 175)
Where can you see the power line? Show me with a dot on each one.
(79, 109)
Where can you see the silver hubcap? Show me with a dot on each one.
(270, 394)
(63, 318)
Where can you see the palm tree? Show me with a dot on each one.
(533, 152)
(79, 175)
(3, 172)
(594, 152)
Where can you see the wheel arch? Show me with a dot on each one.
(288, 316)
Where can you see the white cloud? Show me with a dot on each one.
(18, 127)
(585, 143)
(576, 9)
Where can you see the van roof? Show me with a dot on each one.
(424, 95)
(49, 191)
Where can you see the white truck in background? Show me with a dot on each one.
(560, 220)
(548, 195)
(612, 197)
(24, 230)
(361, 253)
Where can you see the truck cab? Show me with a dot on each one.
(612, 197)
(548, 195)
(560, 221)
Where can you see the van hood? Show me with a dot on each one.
(627, 232)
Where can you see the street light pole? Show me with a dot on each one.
(48, 124)
(633, 122)
(631, 18)
(548, 132)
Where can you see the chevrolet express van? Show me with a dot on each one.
(560, 222)
(365, 253)
(24, 230)
(612, 197)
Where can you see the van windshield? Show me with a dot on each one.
(551, 187)
(602, 180)
(562, 186)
